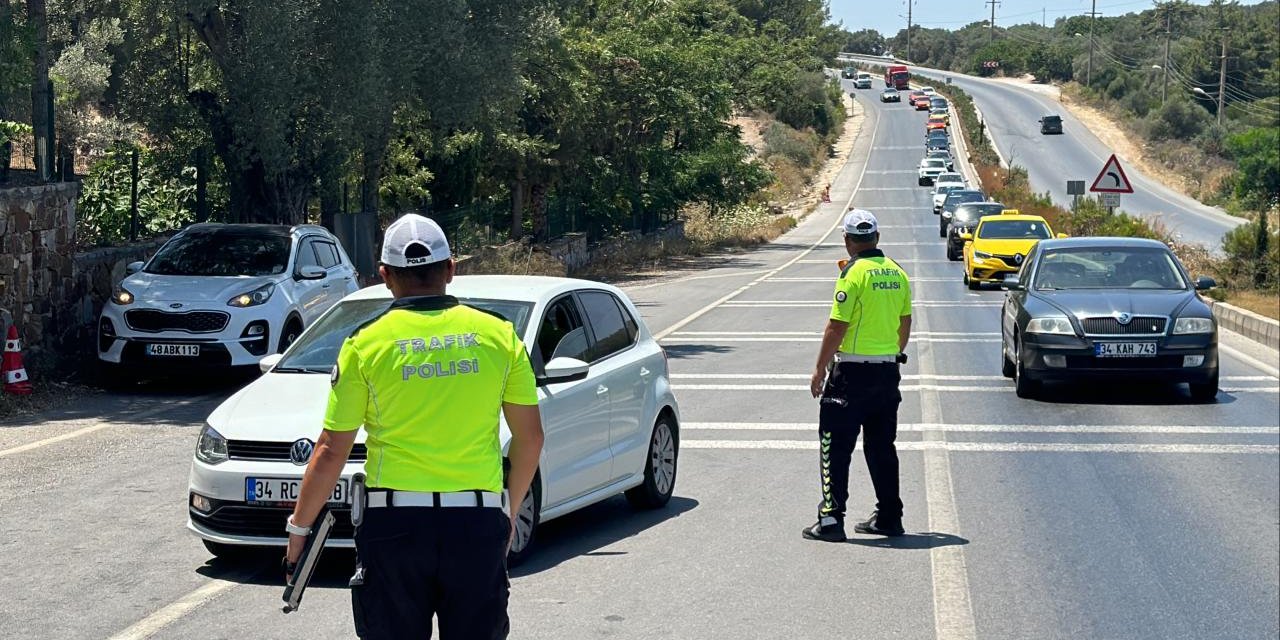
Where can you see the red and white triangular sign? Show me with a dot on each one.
(1112, 178)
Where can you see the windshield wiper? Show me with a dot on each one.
(298, 370)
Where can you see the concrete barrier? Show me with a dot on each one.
(1253, 326)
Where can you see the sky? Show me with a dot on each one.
(889, 16)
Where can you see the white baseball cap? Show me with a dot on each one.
(860, 222)
(412, 230)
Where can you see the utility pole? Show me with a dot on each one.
(909, 3)
(1222, 81)
(1088, 70)
(1044, 17)
(993, 4)
(1164, 90)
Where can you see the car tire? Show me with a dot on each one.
(1205, 392)
(1007, 368)
(1024, 385)
(292, 329)
(117, 377)
(974, 285)
(527, 520)
(922, 182)
(942, 228)
(659, 467)
(952, 254)
(231, 552)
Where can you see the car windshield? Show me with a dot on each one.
(935, 163)
(222, 252)
(951, 177)
(948, 188)
(890, 91)
(317, 350)
(960, 196)
(1052, 119)
(1110, 268)
(975, 211)
(1013, 230)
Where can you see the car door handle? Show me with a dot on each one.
(602, 390)
(645, 373)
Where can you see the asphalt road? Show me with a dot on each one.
(1116, 512)
(1012, 112)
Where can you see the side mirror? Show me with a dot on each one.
(1063, 235)
(312, 272)
(1205, 283)
(268, 362)
(134, 267)
(966, 237)
(1010, 283)
(561, 370)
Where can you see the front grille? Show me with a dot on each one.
(264, 522)
(1141, 326)
(1008, 259)
(152, 321)
(277, 451)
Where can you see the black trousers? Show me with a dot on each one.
(419, 562)
(860, 396)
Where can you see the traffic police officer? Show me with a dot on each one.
(427, 379)
(857, 378)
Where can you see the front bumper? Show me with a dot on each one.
(232, 346)
(232, 520)
(1072, 357)
(989, 269)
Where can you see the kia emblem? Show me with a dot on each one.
(300, 452)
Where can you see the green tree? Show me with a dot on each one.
(1257, 156)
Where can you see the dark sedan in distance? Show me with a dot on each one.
(953, 200)
(963, 220)
(1105, 308)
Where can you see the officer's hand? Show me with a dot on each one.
(511, 534)
(817, 381)
(294, 550)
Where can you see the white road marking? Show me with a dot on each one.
(809, 304)
(941, 376)
(833, 261)
(886, 172)
(914, 334)
(736, 292)
(152, 624)
(891, 189)
(98, 426)
(995, 447)
(812, 427)
(898, 147)
(944, 388)
(663, 283)
(832, 279)
(1269, 369)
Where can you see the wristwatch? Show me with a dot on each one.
(295, 529)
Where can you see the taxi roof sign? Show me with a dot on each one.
(1112, 178)
(1010, 212)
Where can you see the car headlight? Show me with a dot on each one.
(1051, 324)
(253, 298)
(982, 255)
(1185, 326)
(122, 296)
(211, 448)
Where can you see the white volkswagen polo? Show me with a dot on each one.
(610, 418)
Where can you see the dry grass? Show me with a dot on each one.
(1266, 303)
(516, 258)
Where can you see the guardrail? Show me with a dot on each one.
(1253, 326)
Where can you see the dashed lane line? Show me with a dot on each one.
(172, 612)
(800, 256)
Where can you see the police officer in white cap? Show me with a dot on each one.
(427, 381)
(857, 378)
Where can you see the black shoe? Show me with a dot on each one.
(877, 526)
(826, 529)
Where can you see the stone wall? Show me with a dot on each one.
(49, 290)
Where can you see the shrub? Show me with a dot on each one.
(800, 147)
(1177, 119)
(164, 202)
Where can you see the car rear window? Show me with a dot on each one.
(975, 211)
(316, 350)
(222, 252)
(1052, 119)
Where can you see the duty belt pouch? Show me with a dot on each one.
(359, 499)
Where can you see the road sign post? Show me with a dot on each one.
(1075, 189)
(1111, 201)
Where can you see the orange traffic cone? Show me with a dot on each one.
(15, 374)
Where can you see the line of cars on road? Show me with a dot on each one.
(1092, 308)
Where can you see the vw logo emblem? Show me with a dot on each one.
(176, 305)
(300, 452)
(1124, 318)
(1017, 258)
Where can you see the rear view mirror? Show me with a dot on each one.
(269, 362)
(1205, 283)
(1063, 235)
(134, 267)
(561, 370)
(1010, 282)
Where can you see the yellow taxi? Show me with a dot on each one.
(941, 118)
(999, 245)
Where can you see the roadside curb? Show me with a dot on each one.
(1256, 327)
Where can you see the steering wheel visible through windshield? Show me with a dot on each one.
(316, 350)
